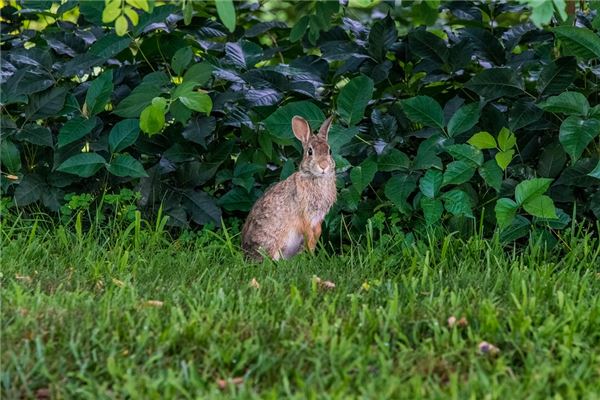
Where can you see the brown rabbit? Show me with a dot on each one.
(289, 214)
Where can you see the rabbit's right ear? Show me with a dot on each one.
(301, 129)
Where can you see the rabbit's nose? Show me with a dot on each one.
(324, 166)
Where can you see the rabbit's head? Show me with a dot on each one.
(317, 160)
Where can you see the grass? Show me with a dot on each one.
(134, 314)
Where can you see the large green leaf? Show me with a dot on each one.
(432, 209)
(428, 46)
(491, 174)
(540, 206)
(202, 207)
(84, 164)
(578, 41)
(458, 172)
(557, 76)
(466, 152)
(123, 134)
(530, 189)
(576, 133)
(464, 119)
(279, 124)
(431, 183)
(362, 175)
(75, 129)
(200, 102)
(398, 188)
(46, 104)
(424, 110)
(226, 12)
(496, 82)
(458, 203)
(505, 209)
(109, 45)
(353, 99)
(571, 103)
(10, 155)
(506, 139)
(483, 140)
(596, 172)
(552, 161)
(393, 160)
(299, 29)
(152, 119)
(199, 73)
(126, 166)
(99, 93)
(181, 59)
(30, 189)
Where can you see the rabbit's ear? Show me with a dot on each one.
(324, 131)
(301, 129)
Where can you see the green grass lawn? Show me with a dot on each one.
(134, 314)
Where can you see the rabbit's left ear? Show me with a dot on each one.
(324, 130)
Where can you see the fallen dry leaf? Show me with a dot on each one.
(488, 348)
(12, 177)
(24, 278)
(42, 393)
(461, 323)
(323, 284)
(153, 303)
(222, 383)
(254, 283)
(118, 282)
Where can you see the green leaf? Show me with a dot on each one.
(83, 165)
(198, 73)
(493, 83)
(181, 59)
(398, 188)
(339, 136)
(226, 13)
(596, 172)
(571, 103)
(466, 152)
(576, 133)
(552, 160)
(393, 160)
(578, 41)
(506, 139)
(30, 189)
(75, 129)
(46, 104)
(464, 119)
(99, 93)
(458, 172)
(353, 99)
(557, 76)
(505, 209)
(126, 166)
(431, 183)
(196, 101)
(10, 156)
(541, 206)
(121, 25)
(152, 119)
(432, 210)
(503, 158)
(530, 189)
(482, 140)
(123, 134)
(299, 29)
(237, 199)
(491, 174)
(362, 175)
(132, 105)
(109, 45)
(202, 207)
(424, 110)
(458, 203)
(542, 12)
(279, 124)
(111, 11)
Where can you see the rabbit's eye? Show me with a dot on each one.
(310, 151)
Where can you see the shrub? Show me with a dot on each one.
(444, 114)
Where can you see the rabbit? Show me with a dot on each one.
(289, 214)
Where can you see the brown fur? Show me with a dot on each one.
(289, 215)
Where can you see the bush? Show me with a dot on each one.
(443, 114)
